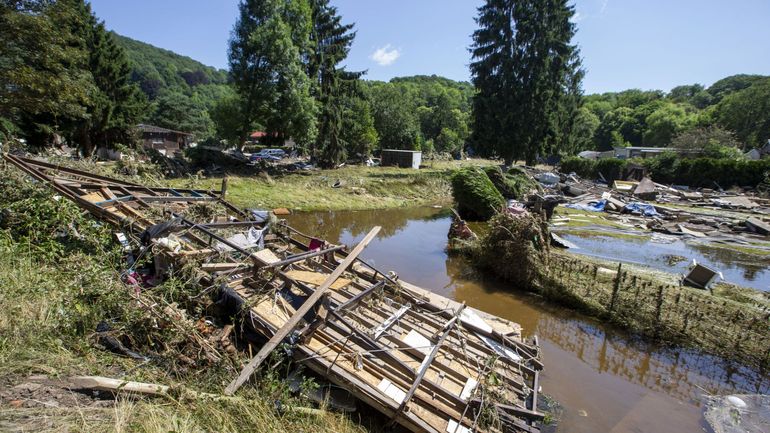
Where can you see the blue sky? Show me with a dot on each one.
(647, 44)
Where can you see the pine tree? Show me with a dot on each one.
(523, 63)
(117, 104)
(330, 44)
(266, 49)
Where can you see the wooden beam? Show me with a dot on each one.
(355, 300)
(429, 360)
(290, 324)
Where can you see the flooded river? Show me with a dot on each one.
(606, 380)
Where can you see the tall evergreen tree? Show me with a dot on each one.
(117, 103)
(330, 44)
(265, 56)
(74, 79)
(523, 66)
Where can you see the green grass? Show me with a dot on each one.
(361, 187)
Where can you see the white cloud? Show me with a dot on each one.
(386, 55)
(604, 6)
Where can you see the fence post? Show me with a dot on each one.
(616, 287)
(658, 311)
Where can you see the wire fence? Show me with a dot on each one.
(667, 312)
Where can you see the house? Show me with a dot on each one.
(759, 153)
(165, 141)
(257, 137)
(401, 158)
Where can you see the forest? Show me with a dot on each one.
(69, 79)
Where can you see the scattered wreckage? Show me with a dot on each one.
(705, 215)
(428, 363)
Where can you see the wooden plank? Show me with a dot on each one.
(426, 363)
(299, 314)
(316, 278)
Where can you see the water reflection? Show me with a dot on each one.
(607, 380)
(737, 267)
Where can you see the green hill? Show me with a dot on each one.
(157, 70)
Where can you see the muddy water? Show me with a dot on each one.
(605, 380)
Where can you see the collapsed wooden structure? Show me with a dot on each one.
(428, 363)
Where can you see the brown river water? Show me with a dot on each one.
(605, 380)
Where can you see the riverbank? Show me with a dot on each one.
(731, 322)
(347, 188)
(606, 379)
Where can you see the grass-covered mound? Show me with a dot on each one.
(514, 183)
(475, 194)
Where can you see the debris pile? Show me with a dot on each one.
(709, 215)
(428, 363)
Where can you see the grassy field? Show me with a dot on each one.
(360, 187)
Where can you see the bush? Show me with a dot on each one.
(513, 184)
(582, 167)
(611, 168)
(703, 172)
(475, 195)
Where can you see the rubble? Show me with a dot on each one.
(329, 310)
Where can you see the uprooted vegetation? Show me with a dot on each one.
(64, 303)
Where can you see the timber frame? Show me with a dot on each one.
(422, 360)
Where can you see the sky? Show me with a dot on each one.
(646, 44)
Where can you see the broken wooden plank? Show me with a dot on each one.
(299, 314)
(427, 362)
(384, 326)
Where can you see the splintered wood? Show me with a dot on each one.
(422, 360)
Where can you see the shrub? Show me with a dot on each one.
(580, 166)
(475, 195)
(513, 184)
(703, 172)
(611, 168)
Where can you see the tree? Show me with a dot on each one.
(523, 61)
(63, 73)
(618, 126)
(181, 113)
(265, 64)
(330, 43)
(729, 85)
(711, 142)
(117, 103)
(358, 129)
(583, 131)
(395, 117)
(747, 113)
(228, 119)
(44, 82)
(666, 122)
